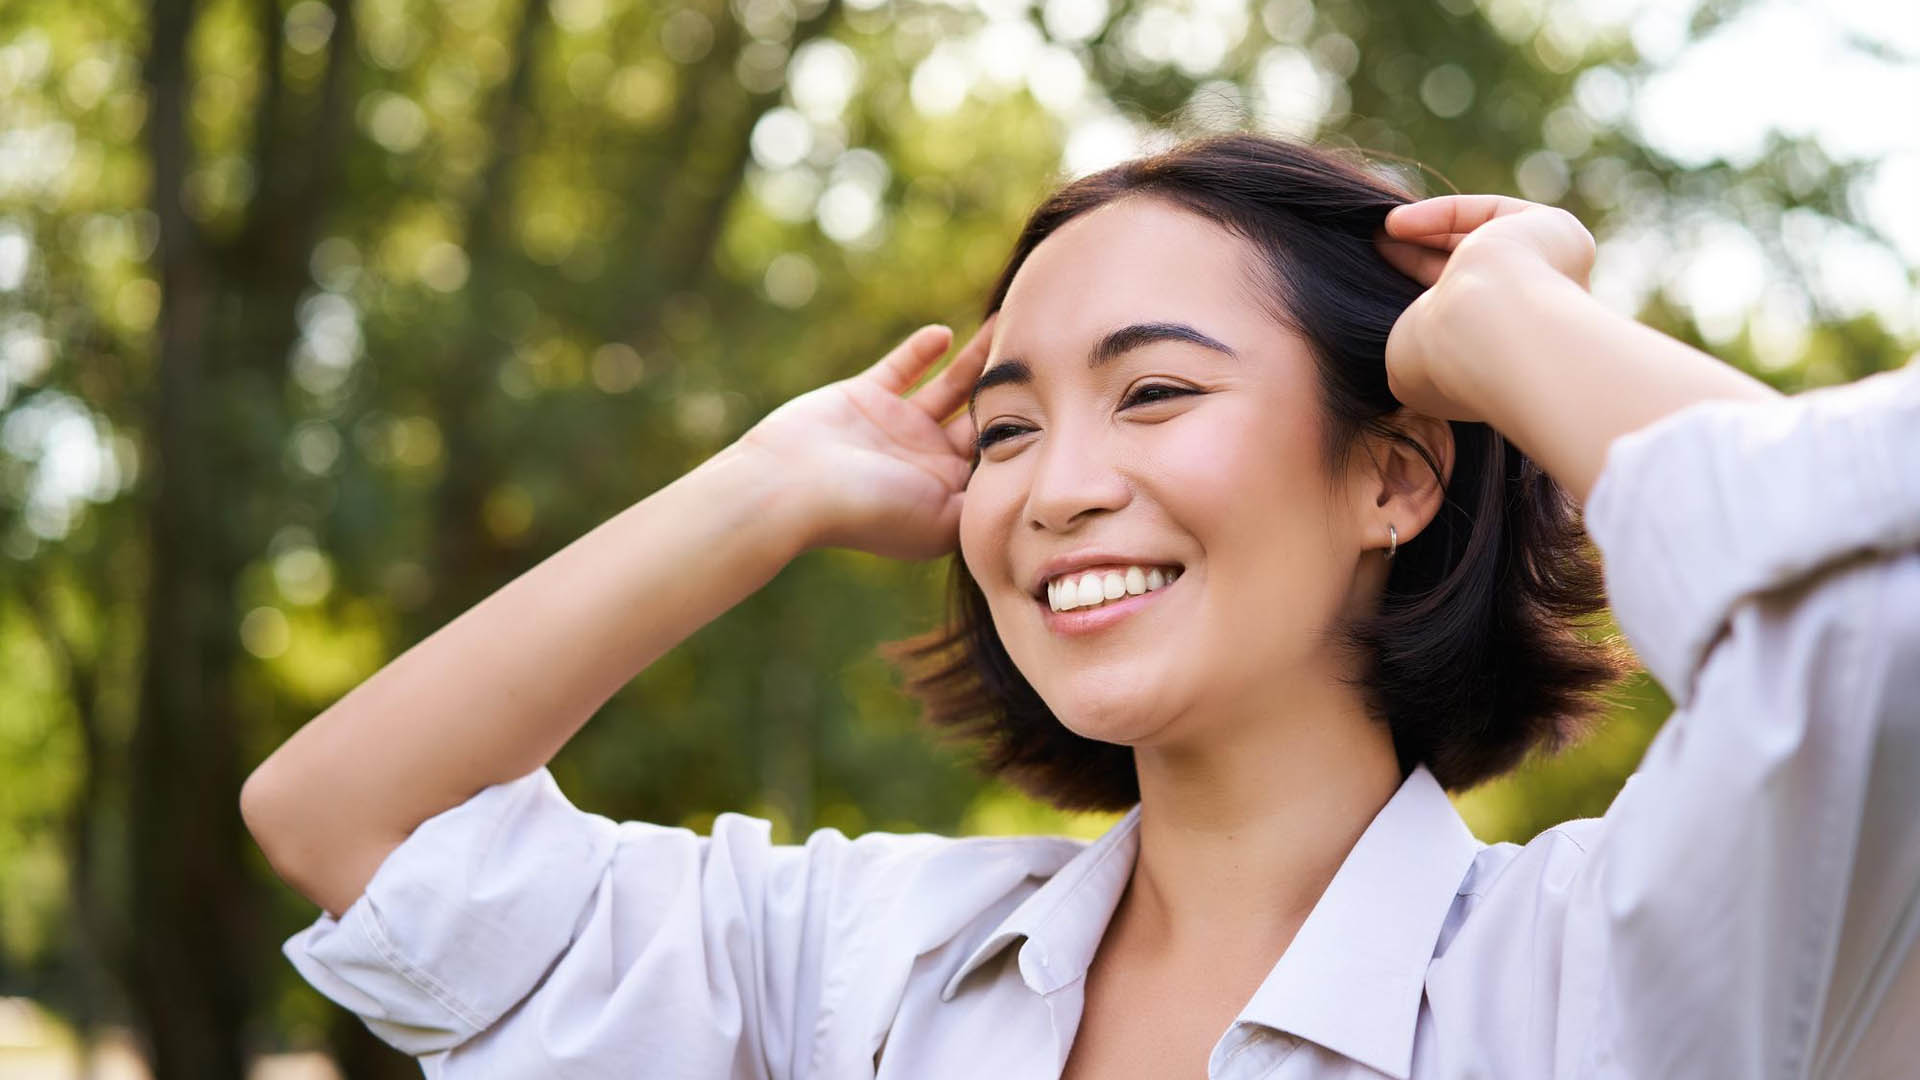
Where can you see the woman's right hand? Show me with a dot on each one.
(1473, 252)
(875, 470)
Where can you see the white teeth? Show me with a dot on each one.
(1088, 592)
(1097, 587)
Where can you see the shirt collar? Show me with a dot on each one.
(1065, 917)
(1352, 978)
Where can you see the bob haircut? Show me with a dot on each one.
(1474, 656)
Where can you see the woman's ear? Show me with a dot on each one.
(1401, 488)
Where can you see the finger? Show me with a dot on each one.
(951, 388)
(1445, 219)
(1448, 216)
(950, 523)
(1565, 242)
(1422, 264)
(909, 360)
(959, 471)
(960, 435)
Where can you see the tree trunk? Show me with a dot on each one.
(214, 421)
(182, 974)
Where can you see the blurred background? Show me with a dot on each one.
(322, 319)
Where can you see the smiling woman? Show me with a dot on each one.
(1232, 416)
(1253, 542)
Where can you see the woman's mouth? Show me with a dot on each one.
(1086, 601)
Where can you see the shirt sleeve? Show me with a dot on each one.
(1755, 889)
(515, 935)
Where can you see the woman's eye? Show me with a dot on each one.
(1141, 395)
(1152, 392)
(994, 433)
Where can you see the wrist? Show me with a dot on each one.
(1496, 324)
(773, 501)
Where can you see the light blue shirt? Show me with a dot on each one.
(1748, 906)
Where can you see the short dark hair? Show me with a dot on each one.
(1475, 655)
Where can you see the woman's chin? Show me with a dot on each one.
(1115, 719)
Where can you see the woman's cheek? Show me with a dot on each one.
(1202, 466)
(980, 514)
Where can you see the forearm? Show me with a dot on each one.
(496, 692)
(1561, 375)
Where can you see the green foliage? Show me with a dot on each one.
(345, 314)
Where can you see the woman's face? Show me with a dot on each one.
(1140, 408)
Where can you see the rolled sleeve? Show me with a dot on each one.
(464, 918)
(1723, 500)
(1756, 885)
(515, 935)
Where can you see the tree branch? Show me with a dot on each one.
(691, 244)
(685, 230)
(325, 150)
(267, 161)
(165, 74)
(463, 550)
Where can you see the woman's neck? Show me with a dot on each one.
(1240, 836)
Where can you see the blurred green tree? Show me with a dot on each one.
(319, 321)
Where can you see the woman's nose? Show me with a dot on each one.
(1075, 479)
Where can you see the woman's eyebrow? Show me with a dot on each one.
(1115, 344)
(1128, 338)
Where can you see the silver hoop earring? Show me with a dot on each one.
(1393, 540)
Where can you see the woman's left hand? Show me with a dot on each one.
(1474, 253)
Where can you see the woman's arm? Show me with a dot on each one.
(1750, 904)
(1563, 375)
(1757, 883)
(495, 693)
(1509, 336)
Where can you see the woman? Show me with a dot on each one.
(1207, 564)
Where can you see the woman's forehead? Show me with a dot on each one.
(1137, 260)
